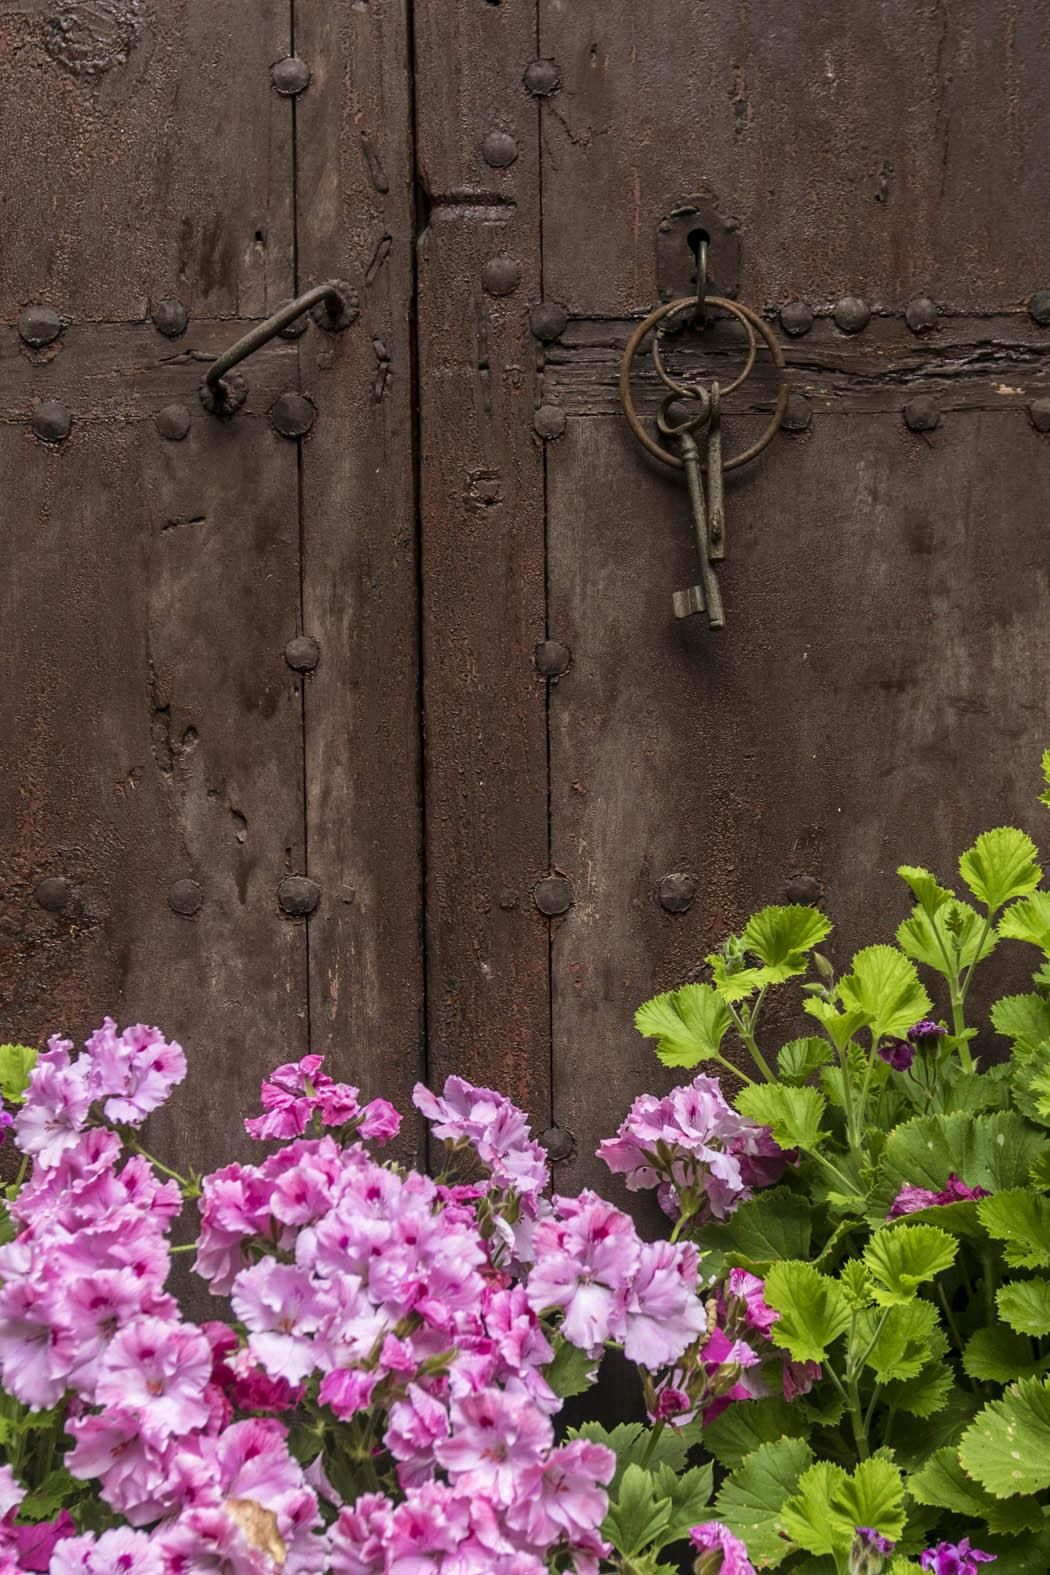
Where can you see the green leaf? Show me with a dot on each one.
(800, 1058)
(637, 1516)
(1023, 1018)
(1028, 920)
(752, 1497)
(943, 1483)
(794, 1114)
(914, 1440)
(902, 1336)
(884, 988)
(1021, 1220)
(631, 1442)
(925, 1395)
(823, 1516)
(781, 937)
(773, 1224)
(925, 888)
(807, 1517)
(689, 1024)
(900, 1258)
(840, 1026)
(57, 1491)
(572, 1372)
(813, 1310)
(872, 1496)
(743, 1428)
(952, 939)
(1044, 798)
(16, 1063)
(1002, 864)
(1007, 1447)
(1000, 1355)
(993, 1151)
(1025, 1306)
(690, 1494)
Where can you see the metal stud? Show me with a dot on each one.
(552, 895)
(542, 78)
(302, 654)
(170, 318)
(549, 421)
(39, 325)
(921, 414)
(1039, 308)
(298, 895)
(852, 314)
(803, 889)
(798, 417)
(501, 275)
(53, 893)
(1039, 414)
(559, 1143)
(676, 892)
(548, 321)
(173, 422)
(185, 898)
(499, 150)
(921, 314)
(796, 318)
(292, 414)
(290, 76)
(552, 658)
(51, 421)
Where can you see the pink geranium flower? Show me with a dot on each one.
(118, 1552)
(277, 1303)
(727, 1555)
(159, 1368)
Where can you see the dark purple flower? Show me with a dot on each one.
(898, 1053)
(955, 1558)
(926, 1033)
(868, 1552)
(868, 1537)
(956, 1191)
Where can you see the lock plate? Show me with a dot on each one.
(675, 255)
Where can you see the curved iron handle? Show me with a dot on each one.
(334, 306)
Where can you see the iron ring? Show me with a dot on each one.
(744, 315)
(684, 388)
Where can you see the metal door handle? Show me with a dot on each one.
(334, 306)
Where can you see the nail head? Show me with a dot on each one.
(185, 898)
(549, 421)
(796, 318)
(1039, 414)
(501, 275)
(552, 658)
(170, 318)
(802, 889)
(302, 654)
(798, 417)
(173, 422)
(51, 421)
(39, 325)
(921, 414)
(542, 78)
(298, 896)
(293, 414)
(852, 314)
(1039, 308)
(548, 321)
(290, 76)
(53, 893)
(499, 150)
(676, 892)
(921, 314)
(559, 1143)
(553, 895)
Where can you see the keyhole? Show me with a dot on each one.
(695, 239)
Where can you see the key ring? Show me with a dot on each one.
(751, 322)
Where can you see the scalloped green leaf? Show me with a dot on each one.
(793, 1114)
(813, 1310)
(781, 936)
(16, 1063)
(743, 1428)
(772, 1225)
(1000, 1355)
(840, 1026)
(1028, 920)
(1007, 1446)
(928, 1393)
(1002, 864)
(899, 1341)
(688, 1024)
(925, 888)
(952, 939)
(900, 1258)
(884, 988)
(993, 1150)
(1023, 1018)
(1020, 1219)
(943, 1484)
(752, 1497)
(823, 1515)
(1025, 1306)
(799, 1059)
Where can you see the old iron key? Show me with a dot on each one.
(706, 596)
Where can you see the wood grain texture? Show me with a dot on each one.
(876, 698)
(881, 151)
(148, 157)
(360, 575)
(482, 557)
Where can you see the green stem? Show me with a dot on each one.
(744, 1030)
(950, 1318)
(976, 956)
(654, 1439)
(189, 1187)
(835, 1171)
(745, 1077)
(865, 1086)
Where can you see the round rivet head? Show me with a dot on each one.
(1039, 308)
(298, 896)
(802, 889)
(302, 654)
(290, 76)
(1039, 414)
(552, 658)
(798, 417)
(921, 314)
(53, 894)
(185, 898)
(499, 150)
(676, 892)
(542, 78)
(922, 415)
(51, 421)
(39, 325)
(500, 276)
(170, 318)
(552, 895)
(549, 421)
(173, 422)
(559, 1143)
(548, 321)
(796, 318)
(292, 414)
(852, 314)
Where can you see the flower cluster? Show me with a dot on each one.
(900, 1053)
(298, 1092)
(955, 1558)
(705, 1158)
(910, 1200)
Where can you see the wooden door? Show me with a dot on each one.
(507, 744)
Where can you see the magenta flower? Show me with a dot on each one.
(955, 1558)
(360, 1535)
(118, 1552)
(36, 1544)
(869, 1552)
(160, 1369)
(55, 1112)
(565, 1497)
(748, 1292)
(494, 1127)
(134, 1071)
(910, 1200)
(495, 1436)
(898, 1054)
(798, 1378)
(584, 1266)
(662, 1312)
(720, 1552)
(6, 1120)
(347, 1390)
(277, 1303)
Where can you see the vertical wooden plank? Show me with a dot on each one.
(360, 573)
(482, 512)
